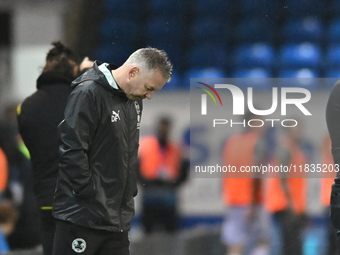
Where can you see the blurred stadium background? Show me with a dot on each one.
(216, 38)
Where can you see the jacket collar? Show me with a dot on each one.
(95, 74)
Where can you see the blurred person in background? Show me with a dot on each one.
(19, 190)
(327, 180)
(5, 223)
(3, 173)
(162, 169)
(38, 118)
(97, 183)
(8, 218)
(286, 195)
(246, 224)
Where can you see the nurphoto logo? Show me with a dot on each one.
(239, 99)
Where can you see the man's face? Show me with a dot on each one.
(142, 84)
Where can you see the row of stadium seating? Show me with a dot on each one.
(225, 8)
(244, 38)
(207, 31)
(261, 78)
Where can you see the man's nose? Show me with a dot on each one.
(149, 95)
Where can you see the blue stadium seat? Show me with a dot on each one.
(118, 31)
(209, 29)
(214, 8)
(175, 82)
(300, 30)
(333, 31)
(305, 78)
(111, 53)
(257, 78)
(303, 8)
(254, 55)
(251, 73)
(263, 8)
(298, 73)
(203, 73)
(255, 30)
(162, 30)
(207, 55)
(168, 8)
(166, 34)
(333, 56)
(175, 55)
(304, 55)
(333, 73)
(333, 8)
(122, 9)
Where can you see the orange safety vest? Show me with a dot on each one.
(3, 171)
(155, 162)
(275, 198)
(239, 151)
(327, 178)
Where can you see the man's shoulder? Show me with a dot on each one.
(87, 86)
(34, 101)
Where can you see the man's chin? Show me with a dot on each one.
(134, 98)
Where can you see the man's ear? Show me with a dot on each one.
(134, 72)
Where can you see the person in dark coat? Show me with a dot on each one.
(38, 118)
(94, 198)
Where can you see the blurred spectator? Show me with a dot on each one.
(286, 195)
(20, 184)
(38, 118)
(3, 173)
(162, 170)
(8, 219)
(246, 221)
(327, 179)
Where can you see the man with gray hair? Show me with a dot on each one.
(94, 197)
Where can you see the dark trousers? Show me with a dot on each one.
(156, 217)
(334, 244)
(73, 239)
(47, 226)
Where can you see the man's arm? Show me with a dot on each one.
(76, 133)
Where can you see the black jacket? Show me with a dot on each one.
(98, 155)
(38, 121)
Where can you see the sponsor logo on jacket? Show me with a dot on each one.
(115, 116)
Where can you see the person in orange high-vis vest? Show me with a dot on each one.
(286, 195)
(163, 162)
(3, 172)
(242, 194)
(161, 170)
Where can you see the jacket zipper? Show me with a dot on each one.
(128, 168)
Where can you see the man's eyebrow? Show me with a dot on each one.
(150, 87)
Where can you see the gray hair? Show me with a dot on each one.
(152, 59)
